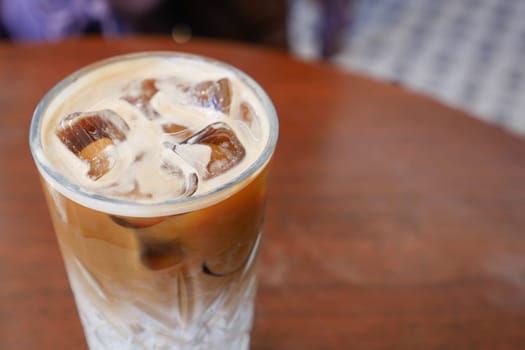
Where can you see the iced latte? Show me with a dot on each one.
(154, 167)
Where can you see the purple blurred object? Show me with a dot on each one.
(334, 20)
(52, 20)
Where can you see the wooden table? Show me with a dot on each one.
(393, 221)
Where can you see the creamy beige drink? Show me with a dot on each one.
(154, 166)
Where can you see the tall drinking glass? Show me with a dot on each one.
(154, 167)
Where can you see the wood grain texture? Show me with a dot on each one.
(393, 222)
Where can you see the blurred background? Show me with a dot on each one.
(469, 54)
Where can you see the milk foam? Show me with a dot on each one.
(103, 88)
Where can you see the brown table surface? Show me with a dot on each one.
(393, 222)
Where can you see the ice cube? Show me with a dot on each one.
(140, 95)
(176, 131)
(136, 223)
(100, 159)
(188, 180)
(246, 113)
(91, 137)
(248, 118)
(158, 254)
(239, 257)
(226, 149)
(158, 248)
(214, 94)
(127, 189)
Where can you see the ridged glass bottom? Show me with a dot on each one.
(124, 322)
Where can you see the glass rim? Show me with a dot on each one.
(127, 207)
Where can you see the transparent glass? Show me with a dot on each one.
(185, 279)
